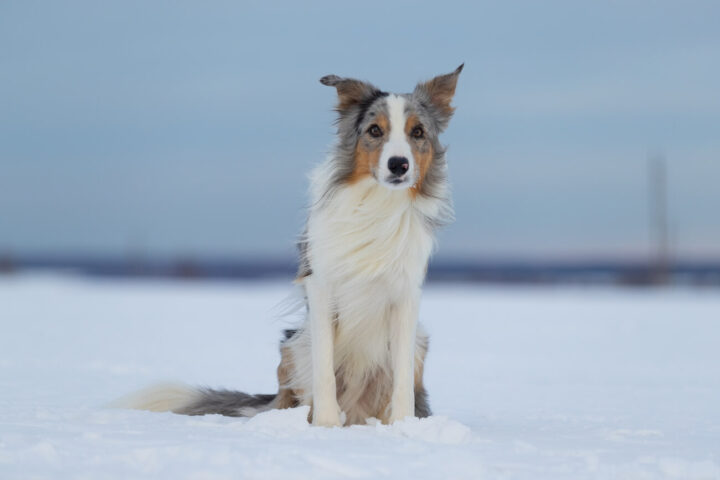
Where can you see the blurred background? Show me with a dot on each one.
(153, 176)
(174, 138)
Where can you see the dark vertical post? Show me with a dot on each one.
(657, 175)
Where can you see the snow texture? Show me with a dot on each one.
(526, 383)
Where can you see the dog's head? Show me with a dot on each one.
(392, 138)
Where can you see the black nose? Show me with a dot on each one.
(398, 165)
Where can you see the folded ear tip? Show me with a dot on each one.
(330, 80)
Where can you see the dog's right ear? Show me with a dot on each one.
(350, 91)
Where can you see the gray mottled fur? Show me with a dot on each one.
(228, 403)
(422, 405)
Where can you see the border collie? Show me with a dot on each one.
(375, 203)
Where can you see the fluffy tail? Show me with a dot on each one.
(186, 400)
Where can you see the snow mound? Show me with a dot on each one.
(291, 422)
(278, 423)
(438, 429)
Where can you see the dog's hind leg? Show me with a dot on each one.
(422, 405)
(287, 397)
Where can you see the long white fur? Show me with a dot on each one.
(164, 397)
(368, 248)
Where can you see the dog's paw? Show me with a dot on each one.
(400, 412)
(328, 416)
(331, 419)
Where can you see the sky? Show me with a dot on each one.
(188, 128)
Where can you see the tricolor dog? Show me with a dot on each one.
(375, 204)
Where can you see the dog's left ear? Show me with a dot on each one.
(350, 91)
(439, 93)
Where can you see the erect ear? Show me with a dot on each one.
(439, 92)
(350, 91)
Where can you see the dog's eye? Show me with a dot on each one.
(375, 131)
(417, 132)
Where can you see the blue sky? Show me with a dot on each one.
(188, 128)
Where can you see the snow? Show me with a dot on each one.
(525, 383)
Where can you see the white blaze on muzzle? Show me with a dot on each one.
(396, 146)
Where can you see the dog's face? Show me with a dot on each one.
(392, 138)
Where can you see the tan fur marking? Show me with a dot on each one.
(351, 92)
(368, 150)
(422, 151)
(442, 89)
(286, 397)
(420, 352)
(374, 400)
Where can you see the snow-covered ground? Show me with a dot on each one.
(531, 383)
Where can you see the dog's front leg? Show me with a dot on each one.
(326, 411)
(402, 402)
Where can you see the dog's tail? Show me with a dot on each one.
(186, 400)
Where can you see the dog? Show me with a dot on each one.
(375, 204)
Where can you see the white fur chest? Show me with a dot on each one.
(369, 247)
(372, 237)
